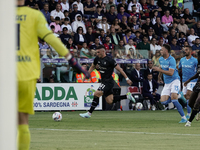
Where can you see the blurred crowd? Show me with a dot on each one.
(129, 29)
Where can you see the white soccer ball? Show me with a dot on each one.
(57, 116)
(139, 106)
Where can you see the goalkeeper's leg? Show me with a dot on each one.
(75, 64)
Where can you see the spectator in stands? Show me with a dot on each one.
(137, 39)
(79, 4)
(136, 14)
(196, 28)
(89, 9)
(189, 20)
(196, 46)
(127, 36)
(56, 25)
(153, 46)
(150, 87)
(181, 39)
(122, 13)
(172, 35)
(153, 18)
(135, 25)
(115, 24)
(174, 46)
(41, 4)
(100, 3)
(124, 24)
(182, 26)
(84, 52)
(79, 37)
(65, 5)
(108, 6)
(153, 8)
(98, 15)
(115, 38)
(90, 36)
(167, 20)
(150, 35)
(65, 36)
(109, 47)
(71, 46)
(124, 5)
(78, 23)
(111, 14)
(102, 37)
(164, 37)
(95, 44)
(130, 45)
(46, 13)
(75, 12)
(177, 4)
(191, 38)
(121, 49)
(136, 76)
(158, 28)
(176, 16)
(52, 5)
(155, 58)
(43, 46)
(92, 23)
(104, 25)
(196, 4)
(57, 13)
(149, 70)
(67, 25)
(175, 27)
(144, 45)
(165, 6)
(53, 30)
(160, 43)
(146, 26)
(145, 10)
(137, 4)
(31, 3)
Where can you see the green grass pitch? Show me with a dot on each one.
(113, 130)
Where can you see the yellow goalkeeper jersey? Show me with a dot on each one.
(31, 24)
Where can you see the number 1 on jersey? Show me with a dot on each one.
(18, 36)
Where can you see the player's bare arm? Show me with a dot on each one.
(160, 77)
(192, 78)
(124, 74)
(169, 72)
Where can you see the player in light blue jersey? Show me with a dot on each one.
(171, 80)
(188, 65)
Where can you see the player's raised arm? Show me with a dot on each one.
(124, 74)
(47, 35)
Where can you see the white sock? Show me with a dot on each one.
(188, 114)
(184, 117)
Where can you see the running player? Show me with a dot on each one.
(188, 65)
(171, 80)
(31, 24)
(106, 66)
(194, 101)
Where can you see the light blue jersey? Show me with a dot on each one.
(189, 68)
(165, 65)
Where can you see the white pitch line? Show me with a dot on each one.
(103, 131)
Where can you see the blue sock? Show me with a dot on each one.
(166, 102)
(188, 108)
(178, 106)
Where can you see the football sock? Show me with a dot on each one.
(193, 114)
(166, 102)
(188, 108)
(95, 102)
(72, 61)
(23, 137)
(119, 98)
(179, 107)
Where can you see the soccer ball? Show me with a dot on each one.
(138, 106)
(57, 116)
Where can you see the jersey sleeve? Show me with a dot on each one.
(113, 63)
(172, 64)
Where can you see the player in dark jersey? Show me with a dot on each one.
(194, 101)
(106, 66)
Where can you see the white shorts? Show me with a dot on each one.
(172, 87)
(189, 86)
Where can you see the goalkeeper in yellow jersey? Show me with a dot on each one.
(31, 24)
